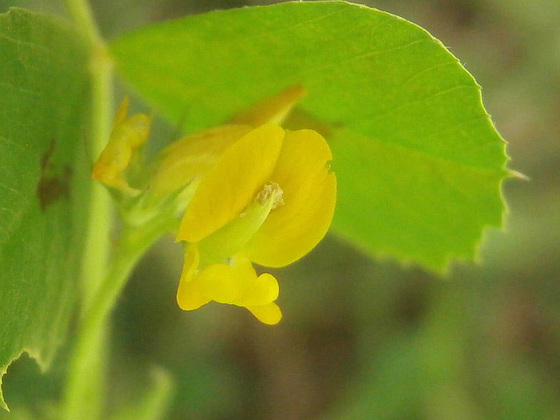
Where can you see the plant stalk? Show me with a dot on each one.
(84, 400)
(84, 387)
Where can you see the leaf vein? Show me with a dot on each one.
(12, 190)
(18, 88)
(418, 101)
(369, 54)
(418, 74)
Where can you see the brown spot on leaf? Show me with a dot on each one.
(54, 184)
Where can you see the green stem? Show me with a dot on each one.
(81, 14)
(101, 282)
(94, 263)
(82, 399)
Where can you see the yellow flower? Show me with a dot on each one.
(268, 199)
(253, 192)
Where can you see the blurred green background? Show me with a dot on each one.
(363, 338)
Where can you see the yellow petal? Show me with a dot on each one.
(127, 136)
(219, 283)
(235, 284)
(231, 283)
(188, 297)
(192, 156)
(271, 110)
(268, 314)
(292, 230)
(133, 131)
(264, 289)
(223, 283)
(231, 184)
(111, 164)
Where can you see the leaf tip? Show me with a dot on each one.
(517, 175)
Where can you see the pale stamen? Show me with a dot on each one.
(273, 191)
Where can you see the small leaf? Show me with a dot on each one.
(43, 182)
(418, 161)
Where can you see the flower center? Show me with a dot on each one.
(271, 190)
(232, 238)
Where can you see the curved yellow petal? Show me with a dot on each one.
(268, 314)
(111, 164)
(223, 283)
(235, 284)
(232, 183)
(192, 156)
(188, 297)
(127, 136)
(292, 230)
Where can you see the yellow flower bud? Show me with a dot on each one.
(127, 136)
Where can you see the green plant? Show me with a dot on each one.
(418, 162)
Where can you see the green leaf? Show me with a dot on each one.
(43, 182)
(418, 161)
